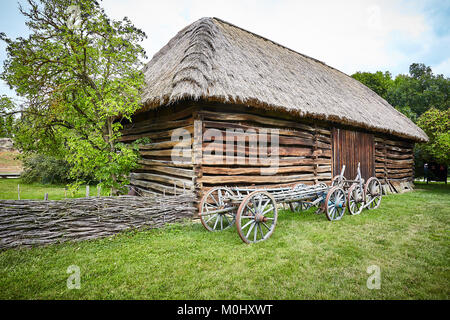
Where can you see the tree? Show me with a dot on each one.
(420, 90)
(80, 75)
(6, 121)
(379, 82)
(436, 125)
(411, 94)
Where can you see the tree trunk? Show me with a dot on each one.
(112, 149)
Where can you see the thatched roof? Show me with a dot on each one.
(215, 60)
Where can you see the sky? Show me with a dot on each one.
(349, 35)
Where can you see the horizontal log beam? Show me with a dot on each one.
(208, 115)
(222, 126)
(162, 178)
(156, 186)
(399, 156)
(391, 148)
(246, 137)
(282, 151)
(165, 145)
(154, 162)
(185, 112)
(138, 128)
(393, 143)
(245, 161)
(262, 170)
(187, 173)
(155, 135)
(260, 179)
(400, 162)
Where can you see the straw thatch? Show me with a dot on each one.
(214, 60)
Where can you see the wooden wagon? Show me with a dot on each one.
(255, 211)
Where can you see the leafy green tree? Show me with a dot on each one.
(411, 94)
(423, 97)
(436, 124)
(45, 169)
(80, 74)
(379, 82)
(6, 121)
(420, 90)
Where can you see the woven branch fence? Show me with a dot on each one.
(35, 222)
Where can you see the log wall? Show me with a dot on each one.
(305, 150)
(394, 163)
(158, 172)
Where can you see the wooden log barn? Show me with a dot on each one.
(215, 75)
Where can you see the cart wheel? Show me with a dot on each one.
(300, 206)
(323, 185)
(215, 200)
(355, 199)
(256, 217)
(373, 192)
(335, 204)
(338, 181)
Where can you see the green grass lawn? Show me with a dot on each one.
(307, 257)
(8, 190)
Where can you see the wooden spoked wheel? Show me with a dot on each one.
(256, 217)
(338, 181)
(355, 199)
(299, 206)
(373, 192)
(216, 210)
(335, 204)
(323, 185)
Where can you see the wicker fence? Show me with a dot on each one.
(35, 222)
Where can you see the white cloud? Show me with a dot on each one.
(442, 68)
(350, 36)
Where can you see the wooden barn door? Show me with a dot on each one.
(351, 147)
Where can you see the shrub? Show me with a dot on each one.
(45, 169)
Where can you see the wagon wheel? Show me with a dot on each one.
(323, 185)
(256, 217)
(373, 192)
(301, 206)
(298, 206)
(355, 199)
(216, 212)
(335, 204)
(338, 181)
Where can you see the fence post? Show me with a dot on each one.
(99, 190)
(87, 191)
(46, 196)
(65, 192)
(18, 192)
